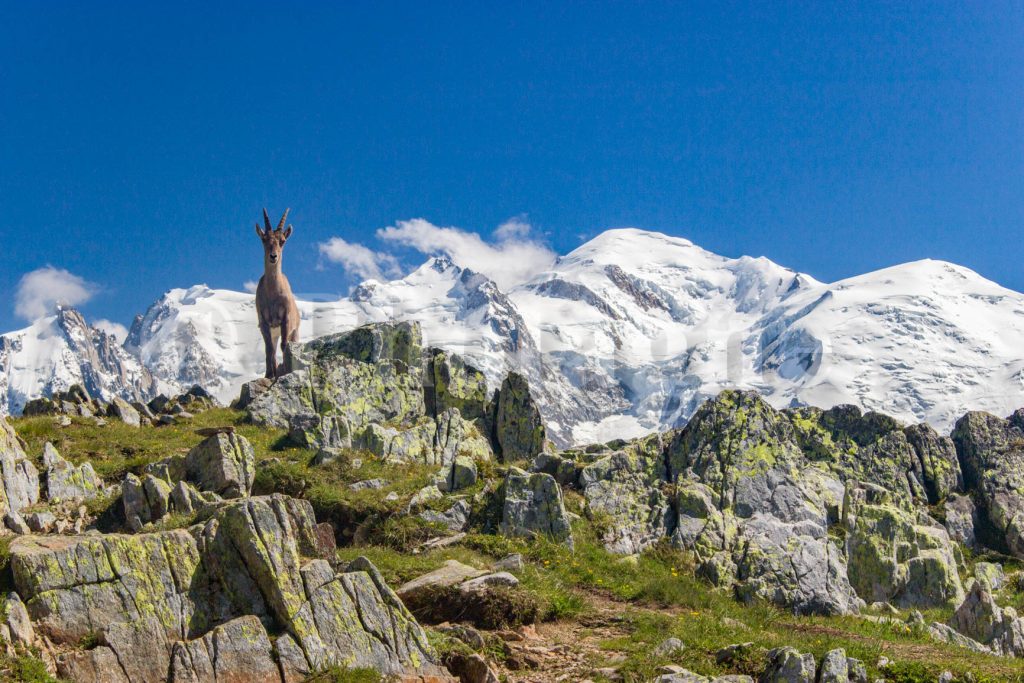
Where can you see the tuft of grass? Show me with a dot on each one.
(340, 674)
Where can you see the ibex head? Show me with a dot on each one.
(273, 239)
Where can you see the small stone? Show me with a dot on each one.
(124, 411)
(16, 523)
(40, 522)
(834, 668)
(368, 484)
(213, 431)
(668, 647)
(511, 563)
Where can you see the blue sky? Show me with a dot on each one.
(139, 141)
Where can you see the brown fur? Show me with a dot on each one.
(275, 305)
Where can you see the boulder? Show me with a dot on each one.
(627, 487)
(835, 667)
(250, 391)
(518, 428)
(455, 518)
(979, 618)
(19, 487)
(124, 411)
(460, 474)
(199, 603)
(788, 665)
(224, 464)
(64, 481)
(533, 505)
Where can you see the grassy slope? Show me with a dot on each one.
(657, 592)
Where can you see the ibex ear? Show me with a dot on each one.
(259, 233)
(288, 232)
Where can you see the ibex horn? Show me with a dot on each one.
(266, 220)
(280, 226)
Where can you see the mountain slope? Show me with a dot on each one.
(60, 350)
(633, 330)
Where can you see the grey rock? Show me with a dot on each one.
(961, 519)
(40, 522)
(482, 583)
(64, 481)
(787, 665)
(16, 523)
(981, 619)
(455, 518)
(668, 647)
(510, 563)
(20, 479)
(124, 411)
(17, 621)
(835, 667)
(368, 484)
(533, 505)
(460, 474)
(224, 464)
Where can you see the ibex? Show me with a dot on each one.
(275, 304)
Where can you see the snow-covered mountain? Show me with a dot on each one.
(60, 350)
(631, 331)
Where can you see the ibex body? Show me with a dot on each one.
(275, 305)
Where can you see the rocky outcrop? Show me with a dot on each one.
(234, 597)
(533, 506)
(982, 620)
(818, 510)
(19, 476)
(518, 428)
(898, 555)
(991, 452)
(373, 388)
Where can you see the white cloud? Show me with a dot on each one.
(358, 260)
(250, 286)
(512, 259)
(116, 330)
(42, 289)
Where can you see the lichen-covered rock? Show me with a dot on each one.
(788, 665)
(460, 474)
(453, 383)
(197, 604)
(413, 444)
(384, 389)
(990, 574)
(937, 461)
(224, 464)
(991, 454)
(835, 667)
(533, 506)
(782, 563)
(328, 435)
(20, 479)
(896, 555)
(628, 487)
(64, 481)
(250, 391)
(518, 428)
